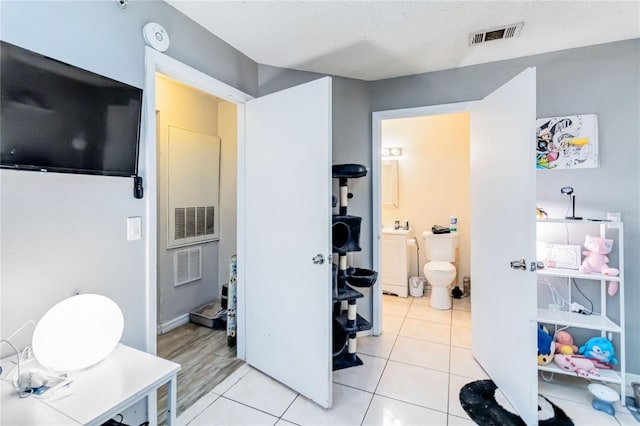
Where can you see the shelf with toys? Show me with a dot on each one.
(574, 319)
(567, 266)
(610, 376)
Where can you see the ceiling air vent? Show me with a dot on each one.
(508, 31)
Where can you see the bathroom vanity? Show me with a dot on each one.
(395, 261)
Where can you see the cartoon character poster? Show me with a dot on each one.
(569, 142)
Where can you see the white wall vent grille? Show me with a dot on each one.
(209, 221)
(200, 226)
(193, 221)
(190, 225)
(508, 31)
(180, 220)
(187, 266)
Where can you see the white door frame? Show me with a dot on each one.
(156, 62)
(376, 146)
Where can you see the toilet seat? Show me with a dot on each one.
(439, 266)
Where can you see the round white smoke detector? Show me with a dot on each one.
(156, 36)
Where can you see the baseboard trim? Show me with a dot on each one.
(174, 323)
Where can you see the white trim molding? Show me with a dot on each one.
(174, 323)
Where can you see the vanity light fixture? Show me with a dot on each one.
(392, 152)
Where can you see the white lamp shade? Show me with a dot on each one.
(78, 332)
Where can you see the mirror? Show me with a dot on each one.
(389, 183)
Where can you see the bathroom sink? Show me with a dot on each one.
(359, 277)
(391, 231)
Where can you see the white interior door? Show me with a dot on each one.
(287, 224)
(503, 191)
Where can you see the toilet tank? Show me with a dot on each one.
(441, 247)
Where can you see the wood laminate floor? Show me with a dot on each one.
(206, 360)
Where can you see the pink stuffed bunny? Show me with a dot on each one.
(596, 260)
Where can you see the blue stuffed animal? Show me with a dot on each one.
(545, 346)
(600, 349)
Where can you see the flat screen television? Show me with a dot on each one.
(56, 117)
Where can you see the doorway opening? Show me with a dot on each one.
(196, 136)
(421, 181)
(427, 186)
(226, 208)
(424, 183)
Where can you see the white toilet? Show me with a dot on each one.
(439, 270)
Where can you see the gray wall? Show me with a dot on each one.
(61, 233)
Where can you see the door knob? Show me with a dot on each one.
(318, 259)
(519, 264)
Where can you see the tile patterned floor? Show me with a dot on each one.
(412, 375)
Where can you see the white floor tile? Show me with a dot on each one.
(625, 419)
(379, 346)
(427, 313)
(225, 412)
(416, 385)
(461, 318)
(584, 414)
(349, 408)
(426, 330)
(388, 298)
(426, 300)
(199, 406)
(283, 422)
(364, 377)
(462, 304)
(461, 336)
(395, 308)
(262, 392)
(566, 387)
(390, 412)
(421, 353)
(233, 378)
(391, 324)
(459, 421)
(464, 364)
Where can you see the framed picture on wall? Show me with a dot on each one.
(567, 142)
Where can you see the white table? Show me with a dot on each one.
(97, 393)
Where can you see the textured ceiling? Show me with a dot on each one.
(373, 40)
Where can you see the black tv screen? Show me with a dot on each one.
(60, 118)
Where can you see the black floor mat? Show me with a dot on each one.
(479, 401)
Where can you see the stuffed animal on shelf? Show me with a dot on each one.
(596, 260)
(564, 343)
(583, 367)
(599, 349)
(545, 346)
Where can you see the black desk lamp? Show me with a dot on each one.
(569, 191)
